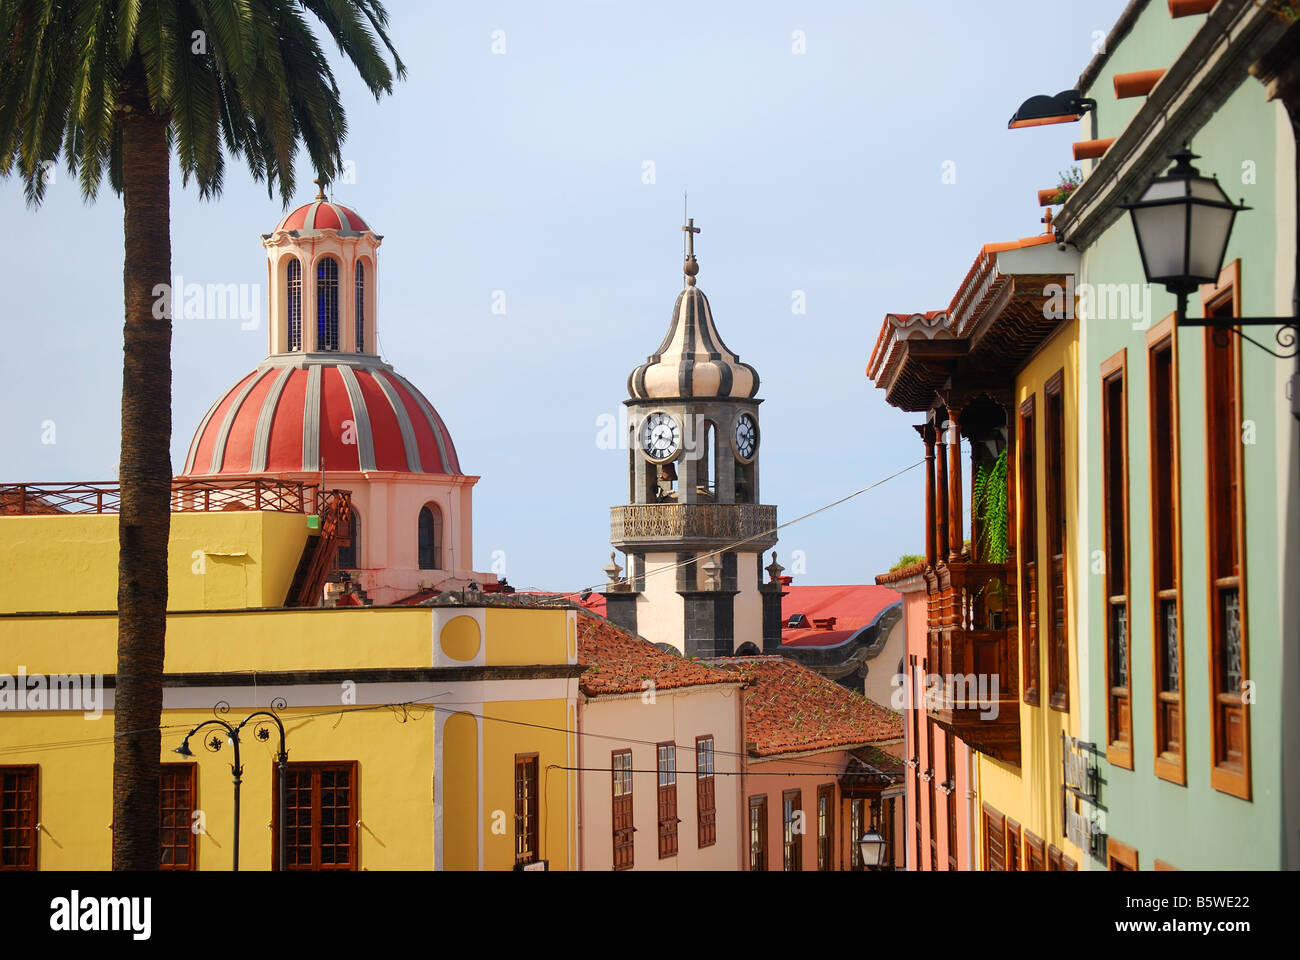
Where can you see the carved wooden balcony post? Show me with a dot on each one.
(954, 484)
(941, 482)
(927, 436)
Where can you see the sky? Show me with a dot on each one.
(851, 157)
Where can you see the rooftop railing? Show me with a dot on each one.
(188, 496)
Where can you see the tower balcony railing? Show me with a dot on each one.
(187, 496)
(666, 524)
(973, 663)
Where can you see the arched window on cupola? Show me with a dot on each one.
(360, 312)
(294, 274)
(327, 304)
(430, 537)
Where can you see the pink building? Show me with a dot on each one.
(820, 768)
(940, 789)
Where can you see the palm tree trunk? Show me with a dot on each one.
(145, 475)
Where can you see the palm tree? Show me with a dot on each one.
(115, 85)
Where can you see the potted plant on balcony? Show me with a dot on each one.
(989, 500)
(1067, 184)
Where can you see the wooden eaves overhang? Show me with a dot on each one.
(1003, 311)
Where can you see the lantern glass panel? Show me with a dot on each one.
(1210, 229)
(1162, 235)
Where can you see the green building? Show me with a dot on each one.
(1189, 588)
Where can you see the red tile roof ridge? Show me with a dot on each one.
(620, 662)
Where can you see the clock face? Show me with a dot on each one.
(746, 436)
(661, 436)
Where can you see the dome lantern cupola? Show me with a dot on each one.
(692, 361)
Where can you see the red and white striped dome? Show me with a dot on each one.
(311, 218)
(307, 415)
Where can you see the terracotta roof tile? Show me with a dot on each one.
(620, 663)
(790, 708)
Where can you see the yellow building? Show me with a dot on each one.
(419, 737)
(996, 369)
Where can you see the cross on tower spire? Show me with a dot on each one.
(691, 268)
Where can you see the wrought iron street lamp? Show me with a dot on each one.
(1182, 222)
(215, 743)
(872, 845)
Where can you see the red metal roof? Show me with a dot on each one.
(319, 215)
(853, 607)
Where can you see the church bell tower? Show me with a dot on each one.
(693, 529)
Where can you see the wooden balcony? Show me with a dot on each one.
(974, 651)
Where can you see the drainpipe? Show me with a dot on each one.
(972, 793)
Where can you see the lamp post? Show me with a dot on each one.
(1182, 222)
(872, 846)
(237, 768)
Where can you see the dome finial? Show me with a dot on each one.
(691, 267)
(320, 187)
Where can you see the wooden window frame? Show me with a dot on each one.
(623, 838)
(1115, 523)
(950, 773)
(933, 784)
(1168, 764)
(1163, 866)
(191, 772)
(1012, 846)
(758, 857)
(1027, 547)
(1035, 854)
(1120, 855)
(706, 798)
(1055, 857)
(791, 842)
(666, 795)
(826, 827)
(1226, 776)
(1056, 448)
(1069, 863)
(857, 828)
(528, 810)
(995, 826)
(354, 807)
(34, 771)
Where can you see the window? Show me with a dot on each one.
(350, 543)
(1034, 859)
(950, 771)
(826, 827)
(294, 276)
(706, 811)
(1058, 658)
(1013, 845)
(1028, 548)
(1165, 539)
(995, 840)
(855, 833)
(360, 309)
(327, 304)
(1229, 719)
(792, 830)
(933, 784)
(320, 813)
(668, 821)
(526, 799)
(1114, 441)
(758, 833)
(18, 796)
(1054, 858)
(621, 764)
(430, 537)
(1120, 856)
(176, 837)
